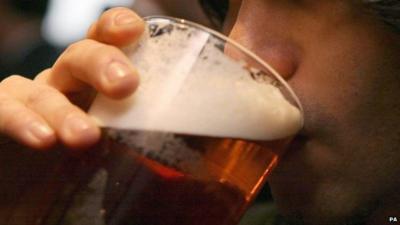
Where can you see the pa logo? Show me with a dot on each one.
(393, 219)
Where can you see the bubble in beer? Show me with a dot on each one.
(166, 148)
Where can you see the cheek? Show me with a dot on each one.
(351, 107)
(334, 79)
(349, 90)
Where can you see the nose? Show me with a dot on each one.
(275, 49)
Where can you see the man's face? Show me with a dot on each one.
(345, 66)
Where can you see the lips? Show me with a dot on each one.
(298, 142)
(290, 157)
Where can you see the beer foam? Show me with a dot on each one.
(189, 85)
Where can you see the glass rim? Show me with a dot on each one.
(241, 48)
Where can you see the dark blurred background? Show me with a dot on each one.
(36, 7)
(22, 48)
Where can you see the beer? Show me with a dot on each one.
(181, 179)
(184, 148)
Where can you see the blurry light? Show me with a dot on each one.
(67, 21)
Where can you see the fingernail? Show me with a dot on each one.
(75, 125)
(116, 72)
(39, 132)
(78, 132)
(124, 19)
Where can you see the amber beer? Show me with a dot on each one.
(173, 179)
(184, 148)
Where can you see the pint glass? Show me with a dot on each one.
(195, 142)
(201, 134)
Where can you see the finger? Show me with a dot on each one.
(76, 129)
(103, 67)
(65, 84)
(23, 125)
(117, 26)
(79, 93)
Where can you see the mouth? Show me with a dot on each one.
(289, 159)
(303, 132)
(298, 142)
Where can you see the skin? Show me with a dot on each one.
(339, 59)
(344, 65)
(51, 105)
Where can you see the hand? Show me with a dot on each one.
(51, 107)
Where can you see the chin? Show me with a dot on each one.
(308, 193)
(318, 206)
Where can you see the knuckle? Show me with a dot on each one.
(12, 80)
(41, 94)
(13, 123)
(79, 46)
(106, 53)
(73, 54)
(66, 109)
(63, 61)
(61, 112)
(43, 76)
(11, 116)
(5, 103)
(72, 48)
(5, 100)
(98, 56)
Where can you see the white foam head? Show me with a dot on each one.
(188, 85)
